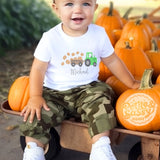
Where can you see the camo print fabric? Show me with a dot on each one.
(92, 103)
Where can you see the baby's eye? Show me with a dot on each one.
(86, 4)
(69, 4)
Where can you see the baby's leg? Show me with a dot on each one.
(30, 139)
(101, 148)
(38, 133)
(98, 112)
(34, 150)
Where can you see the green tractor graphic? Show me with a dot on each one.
(90, 59)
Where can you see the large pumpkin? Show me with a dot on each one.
(138, 109)
(19, 93)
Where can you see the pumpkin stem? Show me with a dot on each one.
(127, 45)
(125, 16)
(154, 46)
(145, 16)
(110, 12)
(138, 21)
(146, 81)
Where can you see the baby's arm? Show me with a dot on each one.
(36, 101)
(119, 69)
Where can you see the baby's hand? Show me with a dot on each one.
(33, 108)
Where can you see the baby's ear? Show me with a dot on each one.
(96, 6)
(54, 6)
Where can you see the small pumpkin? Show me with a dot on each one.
(104, 72)
(19, 93)
(138, 109)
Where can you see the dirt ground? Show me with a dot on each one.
(13, 65)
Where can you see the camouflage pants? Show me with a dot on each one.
(93, 103)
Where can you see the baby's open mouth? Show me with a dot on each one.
(77, 19)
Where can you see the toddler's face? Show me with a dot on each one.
(75, 15)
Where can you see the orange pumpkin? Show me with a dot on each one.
(104, 72)
(156, 32)
(138, 33)
(117, 33)
(158, 79)
(148, 22)
(154, 57)
(105, 10)
(112, 37)
(134, 58)
(19, 93)
(109, 21)
(156, 36)
(116, 85)
(137, 25)
(138, 109)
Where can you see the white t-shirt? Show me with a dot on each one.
(73, 61)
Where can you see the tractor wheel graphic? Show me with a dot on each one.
(94, 64)
(80, 64)
(87, 62)
(73, 64)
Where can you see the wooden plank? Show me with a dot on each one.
(75, 137)
(137, 133)
(120, 130)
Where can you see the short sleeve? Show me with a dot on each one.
(106, 46)
(42, 51)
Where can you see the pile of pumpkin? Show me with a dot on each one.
(137, 43)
